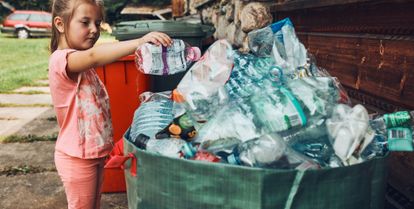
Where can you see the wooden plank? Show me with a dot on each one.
(385, 19)
(306, 4)
(384, 68)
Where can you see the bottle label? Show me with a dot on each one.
(400, 139)
(397, 119)
(293, 120)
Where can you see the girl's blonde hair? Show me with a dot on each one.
(65, 10)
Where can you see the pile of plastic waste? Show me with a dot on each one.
(271, 108)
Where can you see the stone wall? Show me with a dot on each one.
(233, 19)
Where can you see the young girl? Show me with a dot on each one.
(79, 97)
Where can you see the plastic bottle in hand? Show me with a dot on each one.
(166, 147)
(161, 60)
(268, 151)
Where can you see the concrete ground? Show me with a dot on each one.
(28, 178)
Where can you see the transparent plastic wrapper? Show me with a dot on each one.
(160, 60)
(286, 48)
(318, 94)
(377, 147)
(268, 151)
(200, 86)
(229, 123)
(154, 114)
(321, 72)
(349, 131)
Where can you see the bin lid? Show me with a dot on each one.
(134, 29)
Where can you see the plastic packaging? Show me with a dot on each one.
(349, 130)
(160, 60)
(200, 86)
(286, 49)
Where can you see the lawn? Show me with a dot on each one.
(23, 62)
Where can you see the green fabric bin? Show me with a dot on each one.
(191, 33)
(170, 183)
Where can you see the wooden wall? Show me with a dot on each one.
(368, 45)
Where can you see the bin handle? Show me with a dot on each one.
(118, 161)
(294, 188)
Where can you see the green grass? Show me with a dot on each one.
(23, 62)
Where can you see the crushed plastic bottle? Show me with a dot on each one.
(267, 151)
(166, 147)
(160, 60)
(200, 86)
(312, 141)
(286, 48)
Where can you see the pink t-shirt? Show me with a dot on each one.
(82, 110)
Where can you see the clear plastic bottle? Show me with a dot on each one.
(160, 60)
(398, 128)
(167, 147)
(154, 114)
(392, 120)
(267, 151)
(277, 110)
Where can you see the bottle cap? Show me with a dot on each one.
(188, 150)
(194, 54)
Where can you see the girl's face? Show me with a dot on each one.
(84, 27)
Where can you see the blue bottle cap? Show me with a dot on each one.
(188, 150)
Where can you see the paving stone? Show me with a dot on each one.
(13, 119)
(44, 89)
(24, 99)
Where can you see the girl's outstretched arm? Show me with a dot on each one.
(107, 53)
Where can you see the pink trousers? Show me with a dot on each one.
(82, 179)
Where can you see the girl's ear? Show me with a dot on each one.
(59, 24)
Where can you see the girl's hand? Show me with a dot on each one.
(157, 38)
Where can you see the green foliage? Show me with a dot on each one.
(42, 5)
